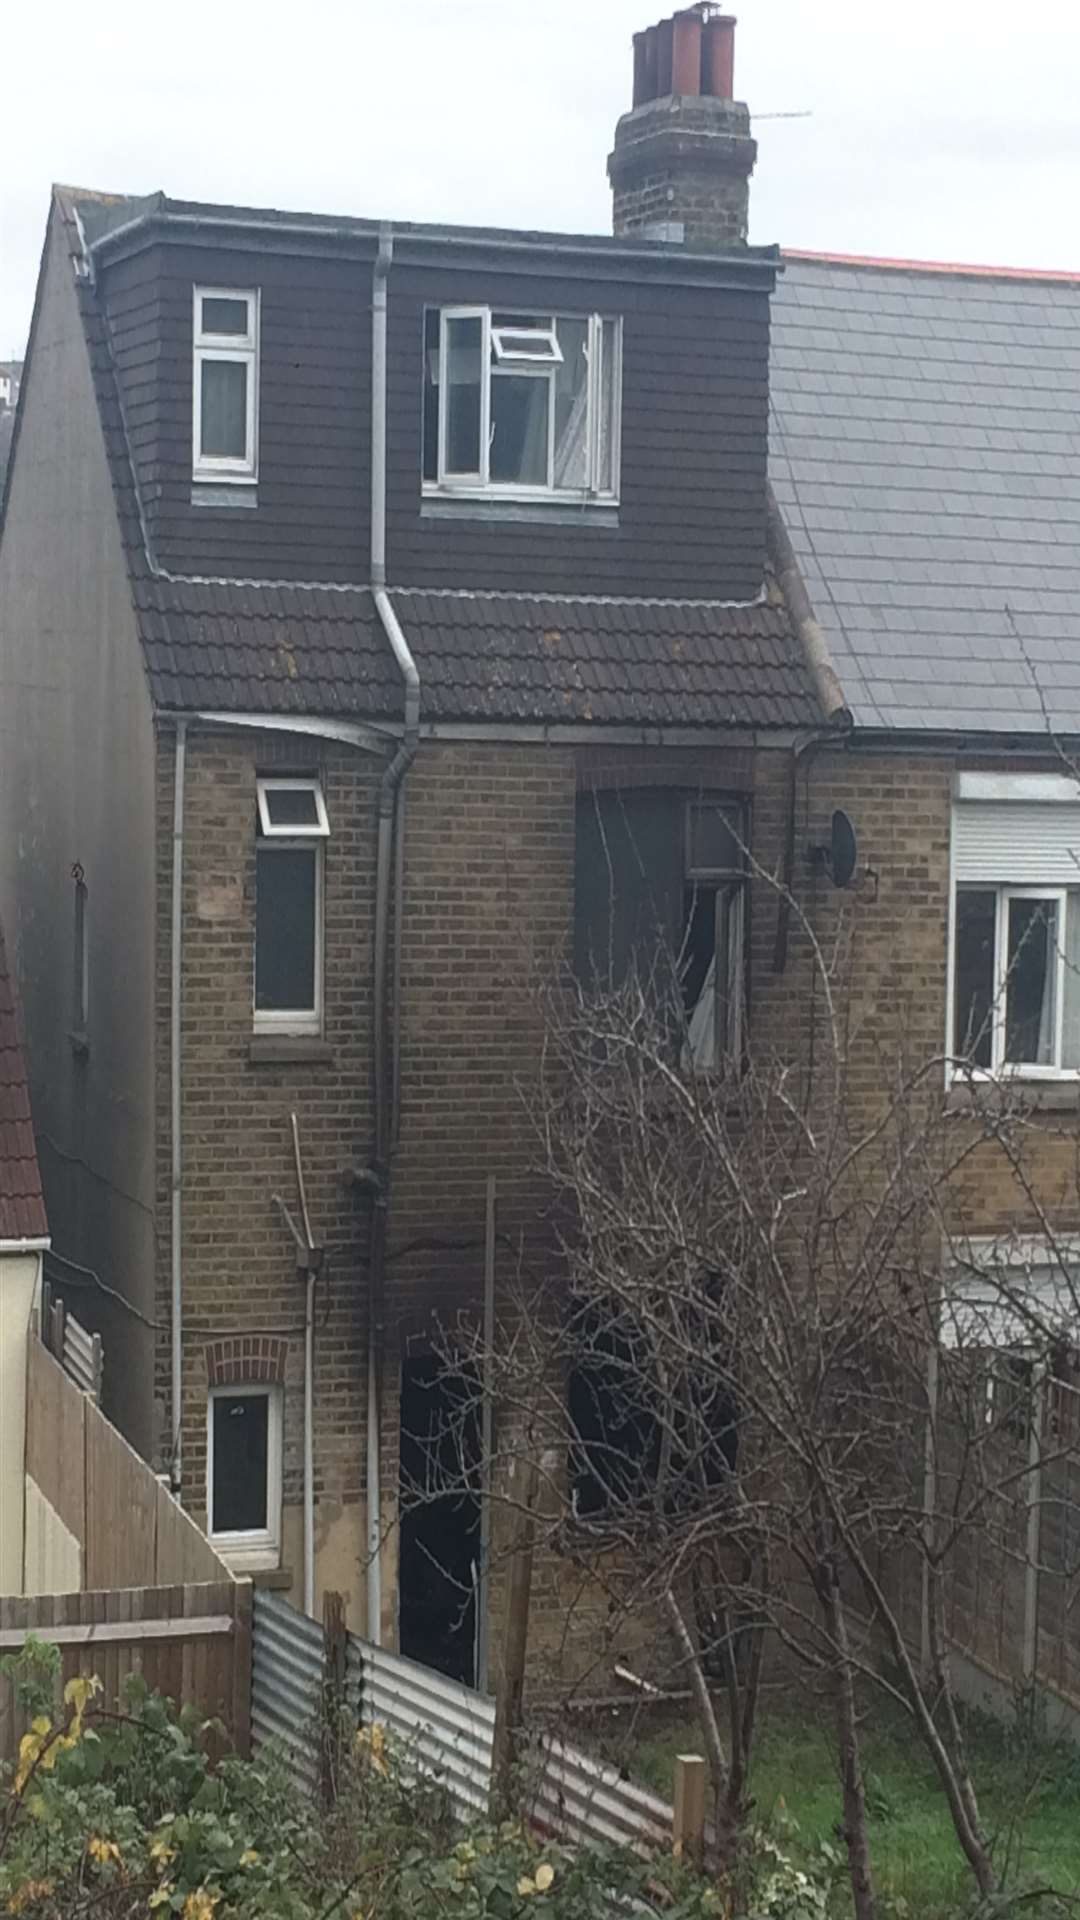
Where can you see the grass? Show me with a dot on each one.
(1029, 1797)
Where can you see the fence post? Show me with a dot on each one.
(241, 1653)
(688, 1824)
(510, 1690)
(335, 1642)
(1039, 1391)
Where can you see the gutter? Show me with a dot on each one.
(26, 1246)
(389, 861)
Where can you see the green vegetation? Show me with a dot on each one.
(111, 1815)
(1029, 1791)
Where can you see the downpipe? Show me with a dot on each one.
(389, 878)
(176, 1171)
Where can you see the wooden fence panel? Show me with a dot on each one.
(191, 1643)
(121, 1511)
(55, 1447)
(183, 1551)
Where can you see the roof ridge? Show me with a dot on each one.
(955, 268)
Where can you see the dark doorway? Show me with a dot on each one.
(440, 1517)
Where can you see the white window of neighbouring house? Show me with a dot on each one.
(289, 872)
(225, 385)
(1014, 952)
(522, 406)
(243, 1475)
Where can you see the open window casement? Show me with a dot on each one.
(521, 407)
(292, 809)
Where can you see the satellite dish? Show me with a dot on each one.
(840, 857)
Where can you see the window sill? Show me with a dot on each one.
(1042, 1095)
(273, 1579)
(224, 493)
(255, 1563)
(536, 510)
(285, 1049)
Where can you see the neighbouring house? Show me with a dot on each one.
(10, 376)
(24, 1238)
(373, 578)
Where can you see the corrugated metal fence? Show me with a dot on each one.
(446, 1728)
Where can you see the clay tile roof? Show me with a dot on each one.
(22, 1208)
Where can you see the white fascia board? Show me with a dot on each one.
(25, 1246)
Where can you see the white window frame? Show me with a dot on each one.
(298, 1021)
(496, 357)
(999, 1067)
(242, 350)
(265, 788)
(256, 1549)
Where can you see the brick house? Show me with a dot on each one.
(342, 568)
(349, 577)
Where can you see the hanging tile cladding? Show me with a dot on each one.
(510, 657)
(311, 522)
(22, 1209)
(694, 447)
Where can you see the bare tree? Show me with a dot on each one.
(754, 1393)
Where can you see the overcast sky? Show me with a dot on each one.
(948, 131)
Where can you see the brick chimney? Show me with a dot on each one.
(683, 155)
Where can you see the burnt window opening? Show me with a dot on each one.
(661, 890)
(441, 1479)
(619, 1420)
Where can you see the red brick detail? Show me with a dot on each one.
(246, 1358)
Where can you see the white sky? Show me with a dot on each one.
(948, 131)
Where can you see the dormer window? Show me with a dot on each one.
(521, 405)
(225, 385)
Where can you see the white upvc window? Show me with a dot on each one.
(1014, 948)
(293, 827)
(225, 384)
(522, 406)
(243, 1475)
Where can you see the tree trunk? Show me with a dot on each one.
(856, 1836)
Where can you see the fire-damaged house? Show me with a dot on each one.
(388, 613)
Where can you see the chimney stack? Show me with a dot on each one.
(681, 165)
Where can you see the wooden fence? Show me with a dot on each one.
(96, 1515)
(191, 1643)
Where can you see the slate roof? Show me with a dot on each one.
(22, 1209)
(255, 647)
(925, 453)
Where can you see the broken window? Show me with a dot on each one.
(292, 830)
(441, 1481)
(225, 384)
(660, 887)
(521, 403)
(244, 1474)
(620, 1418)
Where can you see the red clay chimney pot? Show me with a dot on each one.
(686, 53)
(718, 57)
